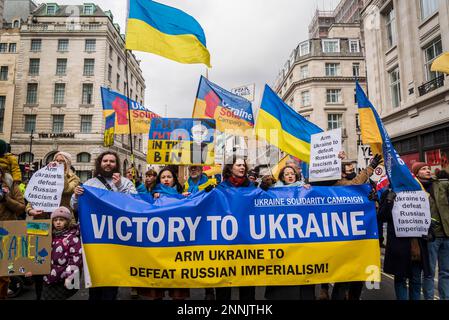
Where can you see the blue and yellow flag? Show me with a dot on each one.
(109, 128)
(165, 31)
(375, 134)
(230, 111)
(283, 127)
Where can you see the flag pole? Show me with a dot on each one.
(129, 119)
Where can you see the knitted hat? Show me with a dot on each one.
(417, 166)
(3, 147)
(67, 157)
(62, 212)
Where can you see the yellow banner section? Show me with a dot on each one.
(237, 265)
(140, 121)
(180, 153)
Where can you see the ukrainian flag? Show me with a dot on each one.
(292, 131)
(375, 134)
(165, 31)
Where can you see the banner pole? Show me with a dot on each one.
(129, 120)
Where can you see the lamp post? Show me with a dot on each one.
(31, 154)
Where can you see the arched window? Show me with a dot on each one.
(83, 157)
(49, 157)
(26, 157)
(16, 24)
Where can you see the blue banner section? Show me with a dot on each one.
(175, 129)
(229, 217)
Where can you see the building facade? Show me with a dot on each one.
(319, 81)
(402, 39)
(65, 54)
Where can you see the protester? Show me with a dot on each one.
(235, 176)
(198, 181)
(438, 246)
(167, 185)
(12, 206)
(9, 163)
(289, 177)
(405, 258)
(66, 257)
(107, 176)
(149, 182)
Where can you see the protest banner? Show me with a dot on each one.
(365, 155)
(230, 237)
(25, 246)
(411, 214)
(109, 128)
(246, 91)
(181, 141)
(44, 191)
(116, 103)
(324, 162)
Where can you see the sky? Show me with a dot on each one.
(249, 42)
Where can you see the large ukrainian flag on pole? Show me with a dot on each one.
(375, 134)
(283, 127)
(165, 31)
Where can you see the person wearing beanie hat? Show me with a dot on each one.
(438, 245)
(66, 257)
(71, 181)
(9, 163)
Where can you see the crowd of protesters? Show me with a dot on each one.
(412, 261)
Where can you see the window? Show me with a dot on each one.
(16, 24)
(36, 45)
(119, 63)
(333, 95)
(3, 47)
(58, 123)
(428, 7)
(356, 69)
(89, 66)
(130, 93)
(304, 48)
(34, 67)
(89, 45)
(51, 9)
(84, 175)
(83, 157)
(63, 45)
(26, 157)
(32, 93)
(30, 123)
(305, 98)
(391, 28)
(331, 46)
(395, 87)
(12, 47)
(87, 93)
(109, 72)
(431, 52)
(59, 93)
(332, 69)
(334, 121)
(2, 111)
(304, 72)
(354, 46)
(86, 126)
(118, 82)
(111, 53)
(61, 67)
(88, 9)
(4, 73)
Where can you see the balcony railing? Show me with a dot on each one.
(431, 85)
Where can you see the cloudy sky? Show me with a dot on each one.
(249, 42)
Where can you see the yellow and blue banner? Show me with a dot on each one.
(292, 131)
(230, 237)
(180, 141)
(109, 126)
(231, 112)
(374, 133)
(116, 103)
(165, 31)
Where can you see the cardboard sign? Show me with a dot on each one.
(364, 157)
(44, 191)
(411, 214)
(324, 162)
(25, 246)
